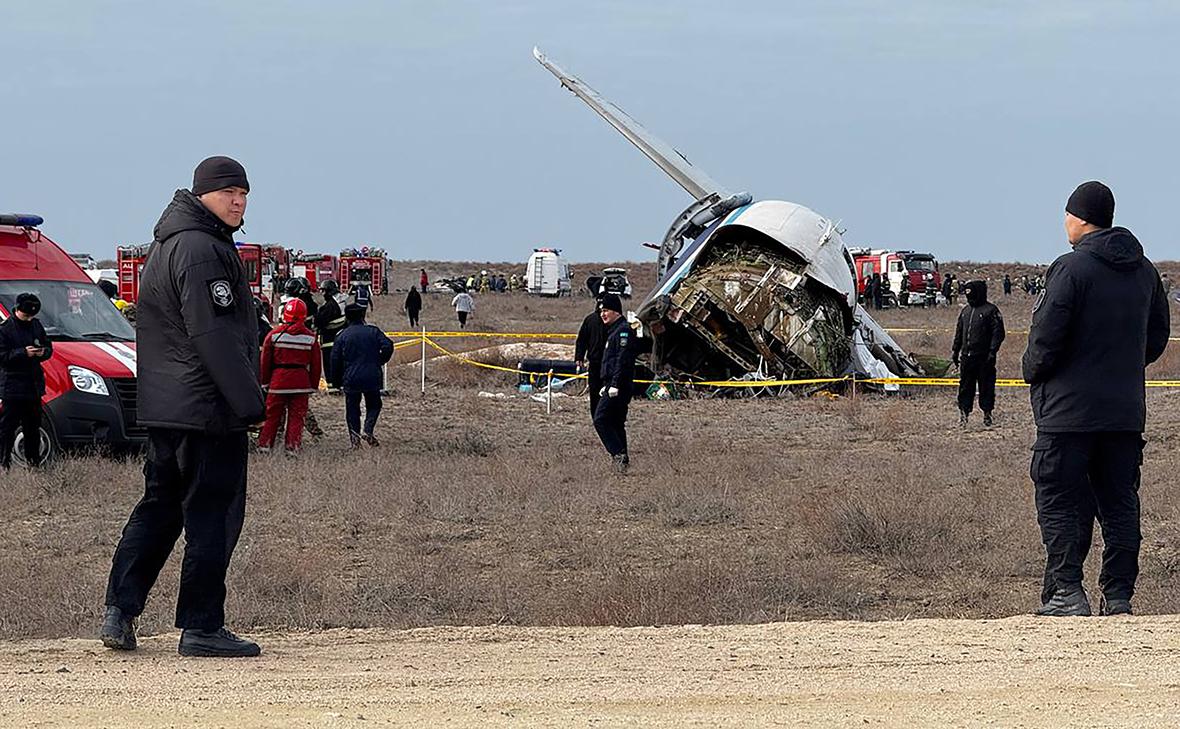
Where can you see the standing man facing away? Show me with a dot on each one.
(359, 354)
(23, 347)
(1102, 319)
(198, 393)
(978, 336)
(413, 306)
(618, 374)
(464, 305)
(588, 352)
(290, 372)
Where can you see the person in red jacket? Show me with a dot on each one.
(289, 372)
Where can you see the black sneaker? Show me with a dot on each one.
(216, 644)
(354, 440)
(118, 630)
(1067, 602)
(987, 419)
(371, 440)
(962, 418)
(1115, 606)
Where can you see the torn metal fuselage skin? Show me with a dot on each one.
(748, 290)
(767, 291)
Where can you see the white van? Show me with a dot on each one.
(547, 273)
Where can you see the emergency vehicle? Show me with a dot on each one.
(315, 267)
(547, 273)
(90, 382)
(896, 266)
(366, 265)
(129, 264)
(252, 261)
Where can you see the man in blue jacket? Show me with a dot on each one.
(359, 353)
(1100, 321)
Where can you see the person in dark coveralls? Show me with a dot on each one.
(23, 347)
(1101, 320)
(358, 355)
(588, 353)
(978, 336)
(413, 306)
(198, 394)
(618, 373)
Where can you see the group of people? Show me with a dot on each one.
(204, 383)
(495, 283)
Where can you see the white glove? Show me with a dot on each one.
(602, 392)
(612, 392)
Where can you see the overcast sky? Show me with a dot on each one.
(428, 128)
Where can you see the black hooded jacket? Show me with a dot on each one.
(196, 327)
(980, 330)
(1102, 318)
(413, 301)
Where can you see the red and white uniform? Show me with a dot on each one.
(290, 371)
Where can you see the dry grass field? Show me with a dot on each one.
(479, 510)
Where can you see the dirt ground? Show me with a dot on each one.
(358, 570)
(1018, 672)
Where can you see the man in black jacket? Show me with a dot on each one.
(23, 347)
(1101, 320)
(198, 394)
(978, 337)
(358, 358)
(329, 320)
(618, 374)
(588, 352)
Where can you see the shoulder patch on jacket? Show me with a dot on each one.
(221, 292)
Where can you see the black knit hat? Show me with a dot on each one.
(1093, 202)
(28, 303)
(217, 173)
(611, 302)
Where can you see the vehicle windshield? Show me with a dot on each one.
(71, 311)
(920, 264)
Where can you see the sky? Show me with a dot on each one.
(428, 129)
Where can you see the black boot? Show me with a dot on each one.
(1115, 606)
(962, 418)
(987, 419)
(1067, 602)
(371, 440)
(216, 644)
(118, 630)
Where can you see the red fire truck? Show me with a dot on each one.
(315, 267)
(251, 255)
(364, 265)
(898, 267)
(90, 381)
(130, 266)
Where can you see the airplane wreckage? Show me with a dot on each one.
(748, 290)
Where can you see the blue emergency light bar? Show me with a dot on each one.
(21, 220)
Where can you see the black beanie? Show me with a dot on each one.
(611, 302)
(354, 312)
(217, 173)
(28, 304)
(1093, 202)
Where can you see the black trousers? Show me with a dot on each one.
(462, 319)
(977, 372)
(610, 420)
(326, 362)
(193, 482)
(594, 383)
(413, 319)
(1081, 477)
(25, 415)
(352, 410)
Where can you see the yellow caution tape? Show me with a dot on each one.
(901, 381)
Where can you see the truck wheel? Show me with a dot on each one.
(49, 445)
